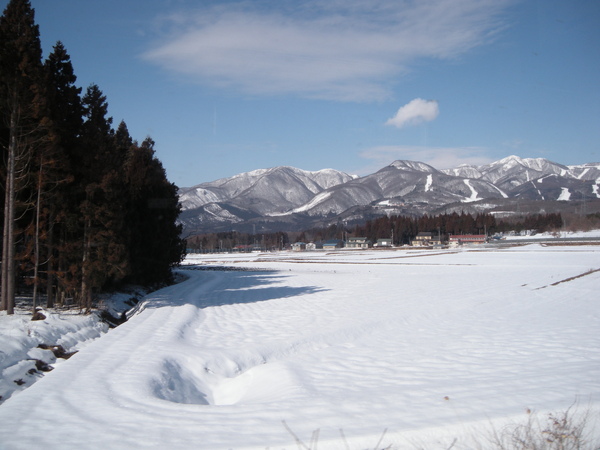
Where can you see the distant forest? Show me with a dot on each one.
(85, 207)
(403, 229)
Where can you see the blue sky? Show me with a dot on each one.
(230, 86)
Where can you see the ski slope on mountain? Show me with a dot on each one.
(431, 345)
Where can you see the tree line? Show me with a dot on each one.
(85, 206)
(402, 229)
(235, 240)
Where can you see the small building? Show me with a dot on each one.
(314, 246)
(426, 239)
(298, 246)
(333, 244)
(461, 239)
(423, 239)
(386, 243)
(243, 248)
(358, 242)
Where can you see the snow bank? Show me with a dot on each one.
(20, 339)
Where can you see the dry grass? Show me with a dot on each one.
(568, 430)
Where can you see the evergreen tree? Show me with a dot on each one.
(21, 104)
(103, 208)
(87, 205)
(153, 207)
(65, 111)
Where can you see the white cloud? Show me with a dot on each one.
(351, 50)
(415, 112)
(438, 157)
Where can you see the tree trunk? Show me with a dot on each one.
(6, 240)
(8, 249)
(50, 266)
(36, 240)
(85, 288)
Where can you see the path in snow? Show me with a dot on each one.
(474, 195)
(428, 183)
(565, 195)
(425, 345)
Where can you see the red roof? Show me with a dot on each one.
(468, 237)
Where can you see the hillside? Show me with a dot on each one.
(285, 198)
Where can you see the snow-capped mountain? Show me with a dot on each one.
(254, 194)
(513, 171)
(289, 198)
(267, 189)
(590, 171)
(401, 182)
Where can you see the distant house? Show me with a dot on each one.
(423, 239)
(243, 248)
(426, 239)
(332, 244)
(358, 242)
(460, 239)
(298, 246)
(383, 243)
(314, 246)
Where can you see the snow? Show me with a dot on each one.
(592, 235)
(538, 190)
(198, 197)
(541, 179)
(473, 197)
(20, 338)
(431, 346)
(319, 198)
(582, 174)
(564, 194)
(502, 193)
(413, 165)
(429, 182)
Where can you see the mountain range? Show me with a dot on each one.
(290, 199)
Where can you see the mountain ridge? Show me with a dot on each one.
(289, 197)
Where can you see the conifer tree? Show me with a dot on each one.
(20, 109)
(89, 206)
(103, 209)
(65, 112)
(153, 207)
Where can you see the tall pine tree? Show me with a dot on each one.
(102, 209)
(21, 102)
(65, 112)
(153, 208)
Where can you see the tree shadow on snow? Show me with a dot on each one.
(241, 287)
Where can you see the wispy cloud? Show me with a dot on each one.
(438, 157)
(351, 50)
(415, 112)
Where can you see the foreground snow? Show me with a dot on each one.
(431, 345)
(25, 345)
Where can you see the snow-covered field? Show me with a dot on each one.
(437, 347)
